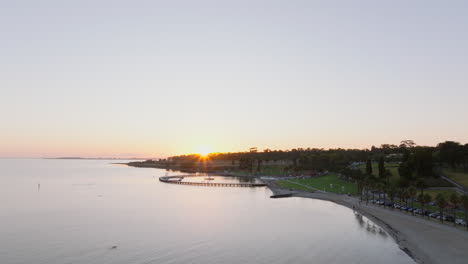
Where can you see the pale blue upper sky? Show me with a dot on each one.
(156, 78)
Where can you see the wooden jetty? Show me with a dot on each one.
(178, 180)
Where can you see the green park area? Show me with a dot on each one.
(392, 167)
(267, 170)
(329, 183)
(273, 170)
(456, 175)
(434, 192)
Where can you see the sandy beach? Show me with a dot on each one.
(427, 242)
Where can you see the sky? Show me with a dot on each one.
(160, 78)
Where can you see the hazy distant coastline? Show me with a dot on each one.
(87, 158)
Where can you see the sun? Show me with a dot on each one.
(204, 151)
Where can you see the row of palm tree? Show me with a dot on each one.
(454, 200)
(369, 184)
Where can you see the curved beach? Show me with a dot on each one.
(425, 241)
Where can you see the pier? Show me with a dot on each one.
(178, 180)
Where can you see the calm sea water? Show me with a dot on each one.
(84, 208)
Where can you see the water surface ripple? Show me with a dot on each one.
(91, 211)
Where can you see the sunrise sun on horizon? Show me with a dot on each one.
(204, 150)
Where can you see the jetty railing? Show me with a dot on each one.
(178, 180)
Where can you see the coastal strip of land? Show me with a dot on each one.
(425, 241)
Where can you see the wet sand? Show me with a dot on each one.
(425, 241)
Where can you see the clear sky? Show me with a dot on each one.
(157, 78)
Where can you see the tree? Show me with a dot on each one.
(369, 167)
(412, 194)
(464, 203)
(382, 188)
(427, 199)
(392, 190)
(372, 184)
(259, 166)
(450, 152)
(405, 196)
(423, 162)
(402, 184)
(405, 171)
(421, 184)
(454, 200)
(421, 201)
(465, 157)
(360, 179)
(441, 203)
(367, 184)
(408, 143)
(381, 167)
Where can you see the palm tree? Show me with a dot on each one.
(400, 194)
(405, 196)
(367, 186)
(369, 167)
(392, 190)
(422, 201)
(421, 185)
(359, 178)
(383, 190)
(364, 186)
(372, 184)
(412, 193)
(427, 199)
(464, 203)
(441, 203)
(454, 200)
(402, 184)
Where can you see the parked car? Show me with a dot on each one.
(448, 218)
(427, 213)
(434, 215)
(418, 211)
(460, 221)
(410, 209)
(403, 208)
(444, 217)
(397, 206)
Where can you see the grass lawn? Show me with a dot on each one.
(328, 183)
(273, 170)
(456, 175)
(268, 170)
(291, 185)
(433, 193)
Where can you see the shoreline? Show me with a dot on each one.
(423, 241)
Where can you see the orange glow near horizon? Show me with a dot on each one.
(204, 151)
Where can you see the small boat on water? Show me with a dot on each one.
(209, 178)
